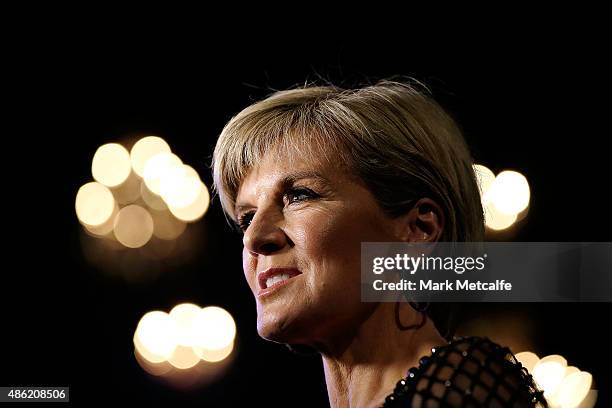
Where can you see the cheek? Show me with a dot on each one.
(330, 241)
(249, 266)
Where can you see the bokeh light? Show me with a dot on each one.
(505, 197)
(94, 204)
(133, 226)
(484, 177)
(563, 386)
(158, 167)
(189, 339)
(495, 219)
(141, 199)
(196, 210)
(155, 336)
(527, 359)
(214, 328)
(180, 186)
(574, 389)
(144, 149)
(183, 316)
(166, 226)
(509, 192)
(111, 165)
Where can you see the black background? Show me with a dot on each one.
(537, 104)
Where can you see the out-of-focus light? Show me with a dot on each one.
(563, 386)
(152, 200)
(94, 204)
(213, 356)
(590, 400)
(554, 358)
(495, 219)
(166, 226)
(144, 149)
(184, 357)
(169, 345)
(180, 186)
(527, 359)
(105, 229)
(573, 389)
(548, 373)
(196, 210)
(129, 191)
(484, 177)
(213, 328)
(509, 192)
(183, 316)
(133, 226)
(155, 336)
(156, 369)
(157, 167)
(111, 165)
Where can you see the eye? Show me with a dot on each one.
(295, 195)
(297, 192)
(245, 220)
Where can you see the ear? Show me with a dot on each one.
(422, 223)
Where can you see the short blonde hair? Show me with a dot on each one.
(392, 136)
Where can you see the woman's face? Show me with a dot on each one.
(311, 217)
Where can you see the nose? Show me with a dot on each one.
(264, 235)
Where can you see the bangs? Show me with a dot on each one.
(298, 132)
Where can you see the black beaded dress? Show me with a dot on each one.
(467, 372)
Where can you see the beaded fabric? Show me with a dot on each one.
(467, 372)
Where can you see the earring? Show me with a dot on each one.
(418, 325)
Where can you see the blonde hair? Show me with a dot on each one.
(392, 136)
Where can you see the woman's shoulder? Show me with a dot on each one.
(468, 371)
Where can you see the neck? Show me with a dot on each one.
(363, 368)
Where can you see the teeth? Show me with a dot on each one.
(276, 278)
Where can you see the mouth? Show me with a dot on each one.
(273, 279)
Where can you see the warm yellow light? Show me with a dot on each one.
(554, 398)
(133, 226)
(180, 186)
(573, 389)
(213, 328)
(555, 358)
(154, 368)
(590, 400)
(155, 336)
(184, 357)
(94, 204)
(111, 164)
(549, 373)
(484, 177)
(153, 201)
(495, 219)
(166, 226)
(527, 359)
(157, 167)
(213, 356)
(196, 210)
(129, 191)
(183, 316)
(144, 149)
(509, 192)
(105, 229)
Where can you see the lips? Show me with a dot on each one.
(273, 278)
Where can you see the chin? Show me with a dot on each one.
(272, 328)
(276, 327)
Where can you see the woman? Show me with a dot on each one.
(307, 175)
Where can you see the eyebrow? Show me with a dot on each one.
(288, 180)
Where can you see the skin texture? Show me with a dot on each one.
(364, 352)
